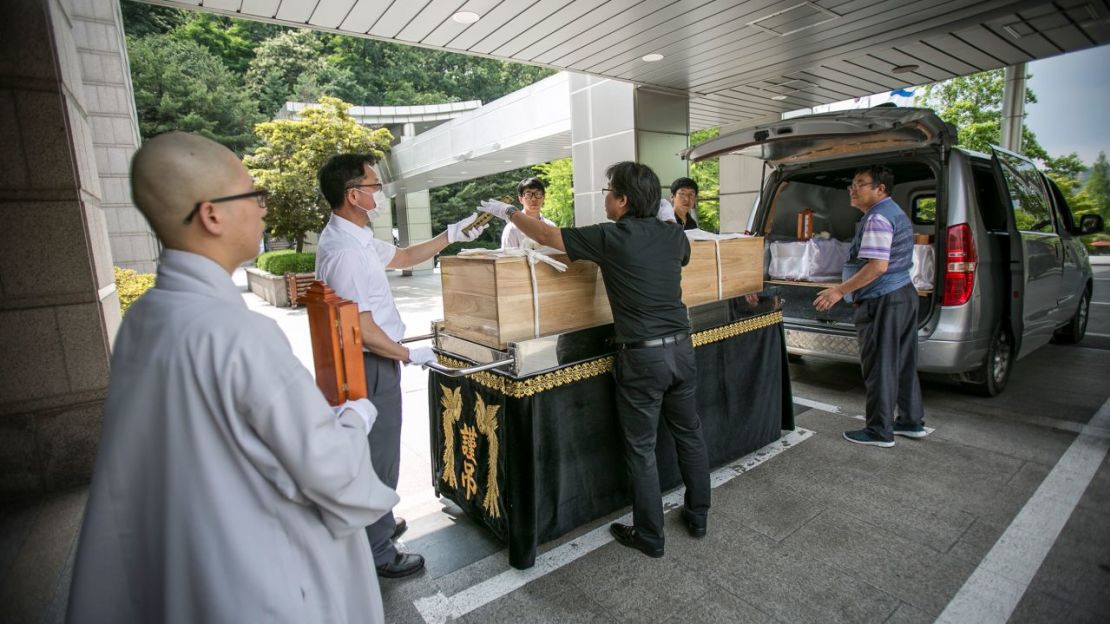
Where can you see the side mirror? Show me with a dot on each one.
(1090, 223)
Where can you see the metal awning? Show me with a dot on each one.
(738, 61)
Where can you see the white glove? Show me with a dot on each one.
(496, 208)
(363, 407)
(456, 234)
(421, 355)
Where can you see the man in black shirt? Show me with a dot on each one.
(641, 260)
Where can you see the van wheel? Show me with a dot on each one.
(992, 375)
(1077, 327)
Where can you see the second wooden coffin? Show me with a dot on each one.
(741, 270)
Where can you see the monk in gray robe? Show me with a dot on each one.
(226, 489)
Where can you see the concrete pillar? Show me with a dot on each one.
(1013, 107)
(611, 121)
(414, 224)
(109, 103)
(740, 177)
(58, 306)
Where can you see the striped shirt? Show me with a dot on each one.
(878, 234)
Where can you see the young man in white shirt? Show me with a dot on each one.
(531, 193)
(353, 263)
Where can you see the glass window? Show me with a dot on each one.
(925, 210)
(1027, 195)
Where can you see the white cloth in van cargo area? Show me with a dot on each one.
(818, 260)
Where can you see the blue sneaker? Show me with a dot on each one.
(910, 431)
(863, 436)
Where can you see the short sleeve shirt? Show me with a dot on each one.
(513, 238)
(641, 262)
(876, 238)
(352, 263)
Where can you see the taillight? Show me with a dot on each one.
(959, 269)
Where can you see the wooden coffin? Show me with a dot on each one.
(741, 270)
(490, 300)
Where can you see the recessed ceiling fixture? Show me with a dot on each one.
(465, 17)
(653, 57)
(508, 161)
(778, 98)
(904, 69)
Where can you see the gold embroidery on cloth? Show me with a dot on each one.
(470, 461)
(486, 416)
(519, 389)
(452, 410)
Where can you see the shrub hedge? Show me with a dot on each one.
(130, 285)
(281, 262)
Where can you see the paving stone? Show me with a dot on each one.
(542, 602)
(719, 604)
(908, 614)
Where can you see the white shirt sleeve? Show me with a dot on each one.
(384, 251)
(348, 272)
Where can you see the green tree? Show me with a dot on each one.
(292, 152)
(180, 85)
(141, 19)
(1098, 186)
(280, 64)
(707, 174)
(558, 203)
(234, 41)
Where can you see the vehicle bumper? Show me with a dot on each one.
(933, 356)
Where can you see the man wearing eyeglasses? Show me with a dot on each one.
(877, 283)
(684, 196)
(352, 262)
(641, 260)
(226, 489)
(530, 192)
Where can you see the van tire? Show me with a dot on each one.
(1076, 328)
(993, 374)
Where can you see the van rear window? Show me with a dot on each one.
(925, 210)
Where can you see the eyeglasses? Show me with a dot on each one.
(377, 186)
(532, 195)
(686, 194)
(260, 195)
(860, 185)
(606, 190)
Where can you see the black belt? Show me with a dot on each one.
(654, 342)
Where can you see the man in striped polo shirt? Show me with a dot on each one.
(877, 283)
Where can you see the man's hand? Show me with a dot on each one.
(456, 232)
(827, 298)
(421, 355)
(496, 208)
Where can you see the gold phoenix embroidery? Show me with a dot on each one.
(469, 437)
(452, 410)
(486, 416)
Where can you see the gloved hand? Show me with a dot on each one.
(456, 234)
(496, 208)
(363, 407)
(666, 211)
(421, 355)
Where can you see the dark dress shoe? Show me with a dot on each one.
(399, 528)
(403, 564)
(627, 536)
(694, 528)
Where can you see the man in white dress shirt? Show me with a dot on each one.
(531, 193)
(226, 489)
(352, 262)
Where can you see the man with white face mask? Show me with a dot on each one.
(353, 263)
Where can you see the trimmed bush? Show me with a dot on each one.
(263, 261)
(130, 285)
(286, 262)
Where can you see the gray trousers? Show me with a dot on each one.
(886, 329)
(383, 385)
(654, 382)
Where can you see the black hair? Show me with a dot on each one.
(681, 183)
(339, 172)
(530, 183)
(638, 184)
(879, 175)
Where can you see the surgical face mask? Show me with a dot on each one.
(379, 201)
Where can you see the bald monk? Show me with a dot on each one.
(226, 489)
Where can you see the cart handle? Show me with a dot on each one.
(463, 372)
(417, 338)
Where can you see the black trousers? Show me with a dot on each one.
(651, 382)
(886, 329)
(383, 385)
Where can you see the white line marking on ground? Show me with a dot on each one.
(993, 591)
(1100, 303)
(1097, 335)
(438, 608)
(835, 409)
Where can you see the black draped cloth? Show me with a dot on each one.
(534, 458)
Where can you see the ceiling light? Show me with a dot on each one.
(653, 57)
(508, 161)
(904, 69)
(465, 17)
(778, 98)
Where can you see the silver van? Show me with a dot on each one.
(999, 267)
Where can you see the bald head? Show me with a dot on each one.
(172, 172)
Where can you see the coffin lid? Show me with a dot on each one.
(832, 135)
